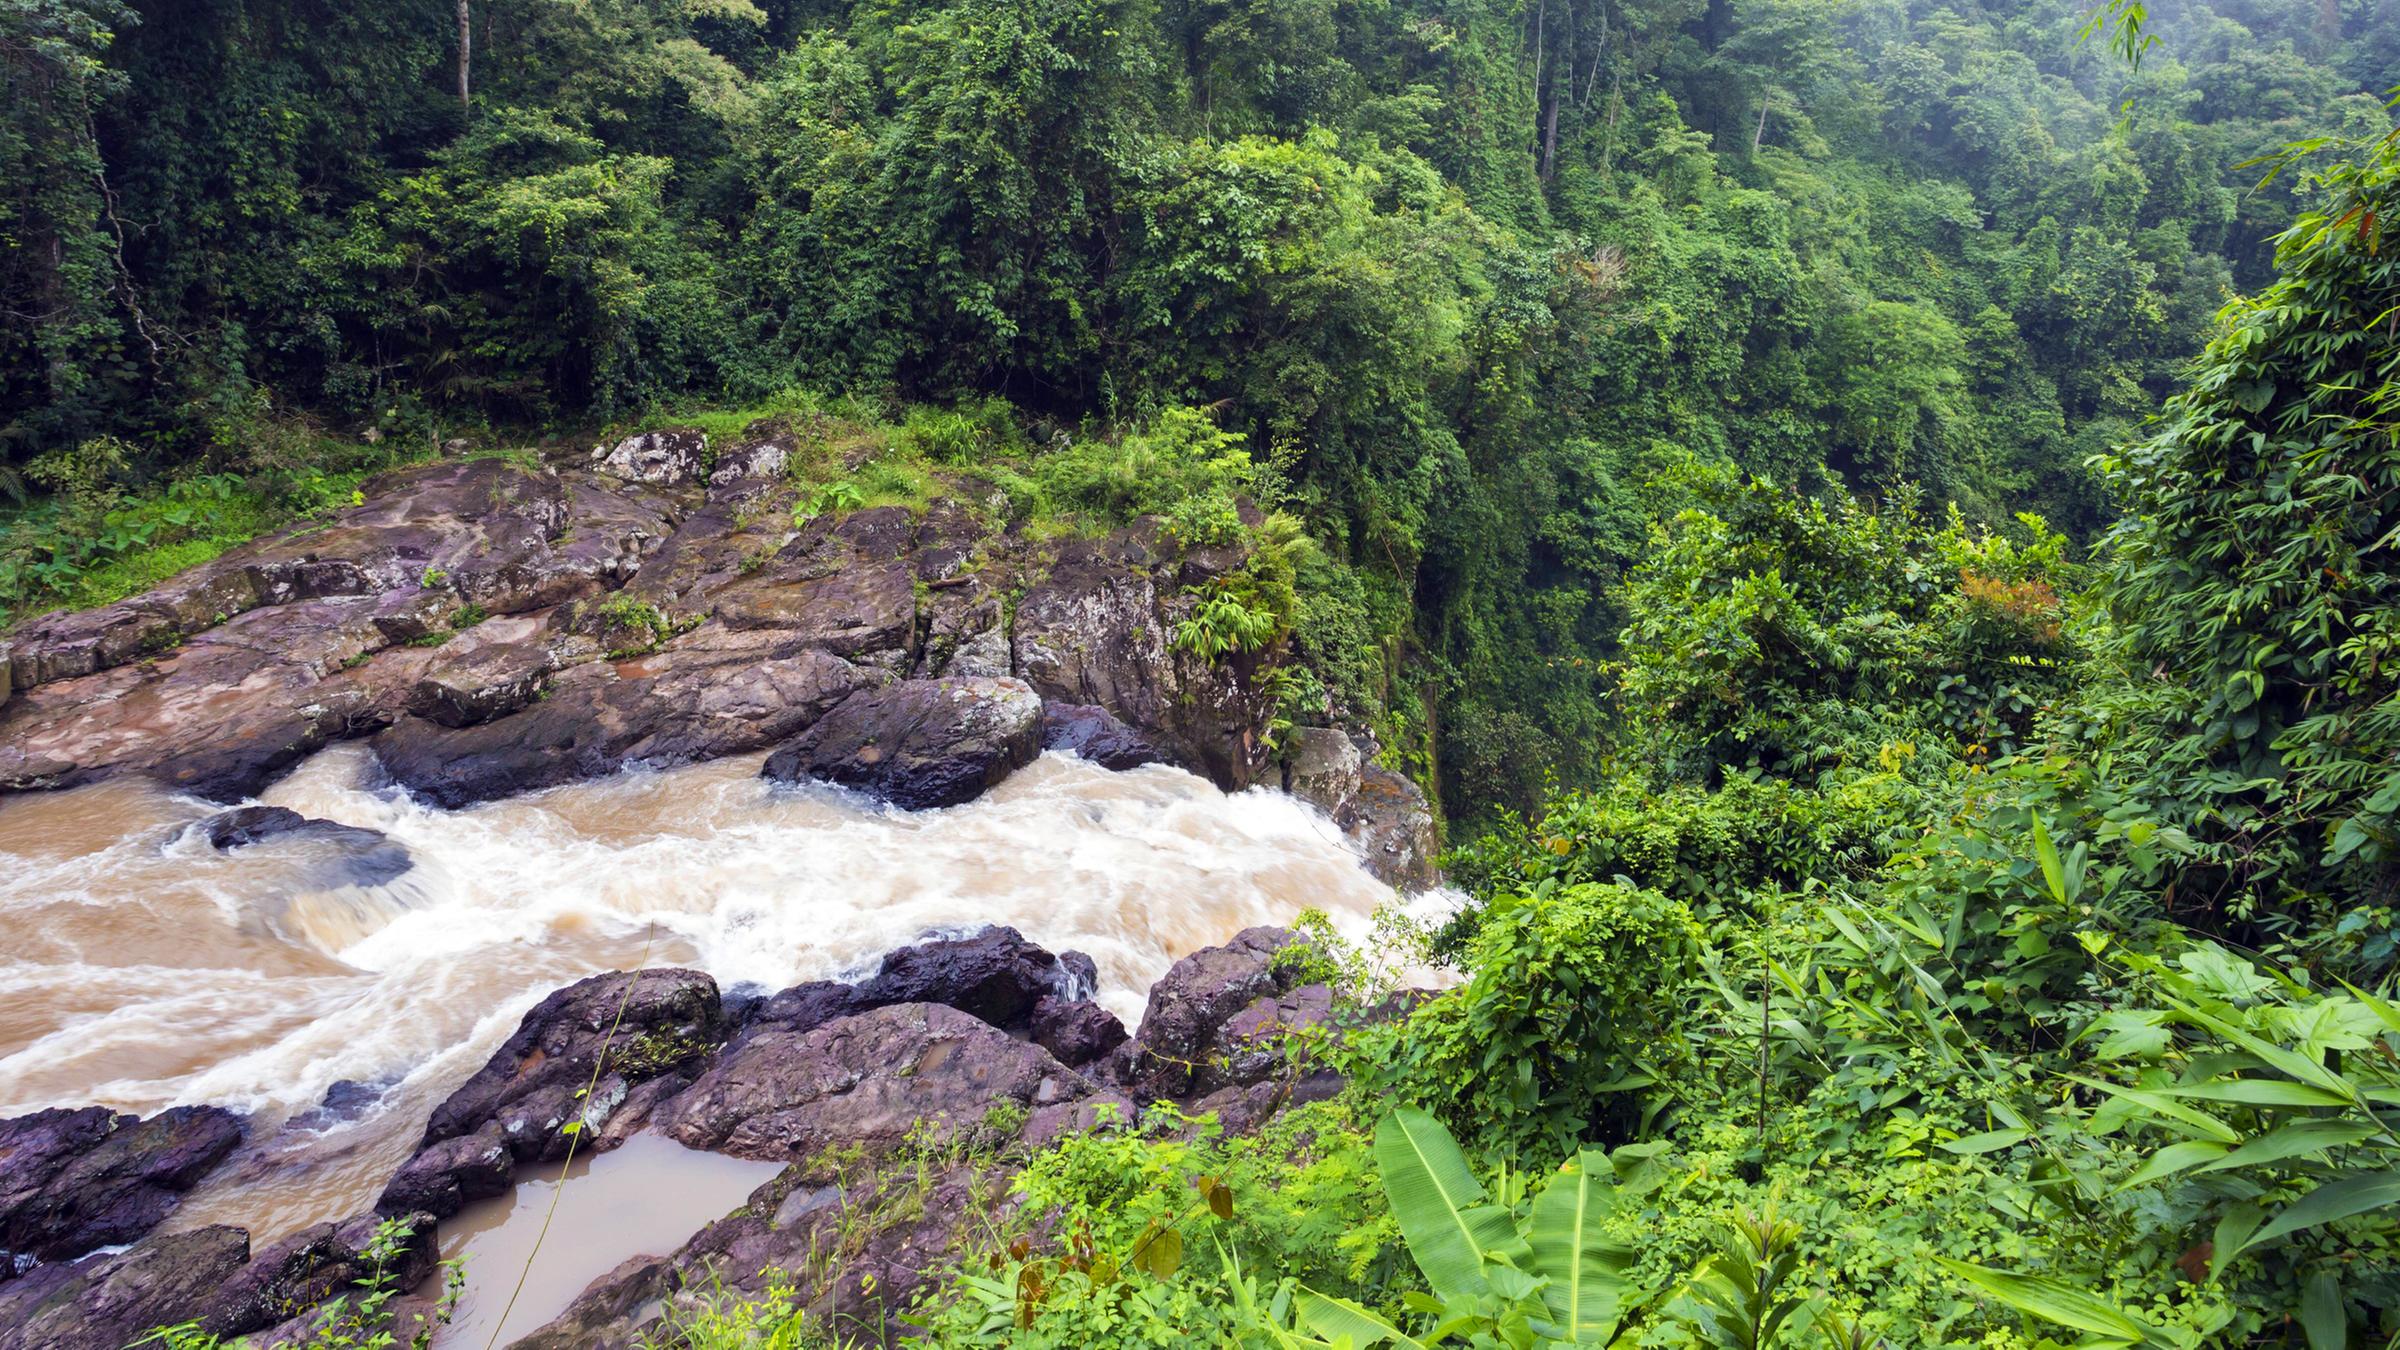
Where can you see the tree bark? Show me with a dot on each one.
(1765, 98)
(466, 58)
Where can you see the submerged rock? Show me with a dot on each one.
(920, 744)
(73, 1181)
(367, 858)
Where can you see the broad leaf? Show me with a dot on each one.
(1587, 1278)
(2053, 1302)
(1442, 1210)
(2331, 1201)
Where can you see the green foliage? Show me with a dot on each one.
(2250, 566)
(1574, 1003)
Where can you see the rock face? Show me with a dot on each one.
(500, 625)
(226, 675)
(920, 744)
(517, 1108)
(108, 1303)
(1384, 813)
(668, 457)
(75, 1181)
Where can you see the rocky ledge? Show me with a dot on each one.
(497, 625)
(984, 1039)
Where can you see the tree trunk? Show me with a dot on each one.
(1765, 98)
(466, 58)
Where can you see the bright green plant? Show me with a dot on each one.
(358, 1320)
(1520, 1275)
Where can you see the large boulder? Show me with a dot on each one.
(676, 707)
(1322, 766)
(1218, 1018)
(995, 975)
(609, 1033)
(72, 1181)
(1395, 830)
(920, 744)
(1095, 734)
(1097, 629)
(866, 1080)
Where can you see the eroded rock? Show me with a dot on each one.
(668, 457)
(610, 1033)
(920, 744)
(866, 1080)
(73, 1181)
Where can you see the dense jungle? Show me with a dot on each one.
(1839, 560)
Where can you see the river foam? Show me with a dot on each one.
(143, 969)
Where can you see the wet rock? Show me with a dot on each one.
(920, 744)
(347, 1100)
(443, 1178)
(1395, 830)
(864, 1080)
(487, 681)
(802, 1008)
(995, 976)
(226, 675)
(667, 457)
(533, 1085)
(106, 1303)
(73, 1181)
(1097, 630)
(677, 707)
(1096, 735)
(314, 1266)
(896, 1234)
(1183, 1049)
(1321, 766)
(1079, 1033)
(364, 858)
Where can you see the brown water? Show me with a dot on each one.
(140, 969)
(528, 1254)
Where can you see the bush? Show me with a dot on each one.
(1574, 1005)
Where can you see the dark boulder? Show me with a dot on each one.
(995, 975)
(107, 1303)
(1184, 1048)
(366, 857)
(314, 1266)
(610, 1031)
(1096, 735)
(444, 1177)
(867, 1080)
(1080, 1033)
(920, 744)
(72, 1181)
